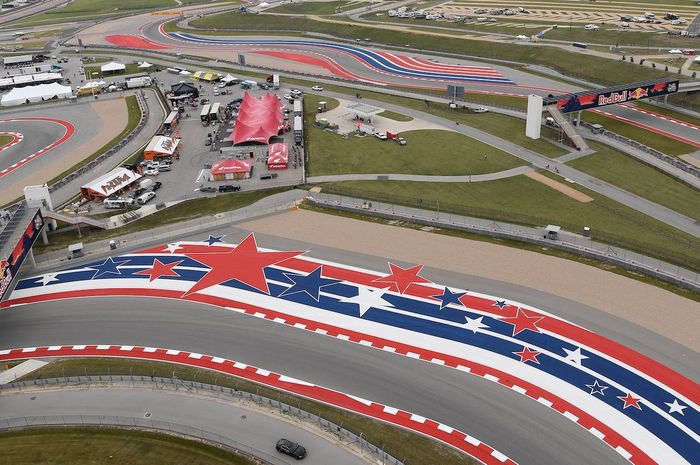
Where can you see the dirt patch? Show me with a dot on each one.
(561, 187)
(113, 115)
(588, 285)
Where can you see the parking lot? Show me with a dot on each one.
(189, 176)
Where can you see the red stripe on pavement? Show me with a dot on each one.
(401, 418)
(611, 437)
(650, 128)
(326, 63)
(131, 41)
(69, 131)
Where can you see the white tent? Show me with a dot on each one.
(145, 65)
(228, 78)
(20, 95)
(112, 67)
(184, 72)
(91, 84)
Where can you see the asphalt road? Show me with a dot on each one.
(37, 135)
(250, 427)
(517, 426)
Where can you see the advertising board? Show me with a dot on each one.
(11, 265)
(595, 99)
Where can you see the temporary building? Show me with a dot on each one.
(228, 78)
(230, 169)
(206, 76)
(145, 65)
(112, 67)
(184, 88)
(110, 183)
(29, 79)
(20, 95)
(258, 120)
(161, 146)
(17, 60)
(278, 158)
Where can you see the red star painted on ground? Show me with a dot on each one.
(160, 269)
(244, 263)
(630, 401)
(528, 355)
(522, 321)
(401, 278)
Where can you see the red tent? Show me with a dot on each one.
(230, 169)
(258, 119)
(278, 159)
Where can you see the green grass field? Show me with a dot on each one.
(184, 211)
(316, 8)
(5, 139)
(91, 9)
(524, 201)
(597, 69)
(394, 116)
(429, 152)
(99, 446)
(634, 176)
(659, 142)
(413, 449)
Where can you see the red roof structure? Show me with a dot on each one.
(278, 158)
(258, 120)
(230, 166)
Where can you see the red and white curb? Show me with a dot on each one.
(69, 130)
(388, 414)
(17, 137)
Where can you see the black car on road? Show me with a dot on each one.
(290, 448)
(269, 176)
(229, 188)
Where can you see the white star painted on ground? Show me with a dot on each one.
(48, 278)
(475, 324)
(366, 298)
(171, 248)
(676, 407)
(575, 356)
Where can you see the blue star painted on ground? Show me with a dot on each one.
(214, 239)
(597, 388)
(501, 304)
(310, 284)
(448, 297)
(108, 267)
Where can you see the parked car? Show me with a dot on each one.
(269, 176)
(380, 135)
(290, 448)
(591, 27)
(203, 101)
(151, 172)
(676, 51)
(207, 189)
(295, 92)
(157, 185)
(481, 110)
(145, 197)
(317, 88)
(229, 188)
(401, 141)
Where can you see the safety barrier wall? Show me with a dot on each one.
(190, 387)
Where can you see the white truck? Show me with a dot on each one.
(298, 130)
(143, 81)
(275, 81)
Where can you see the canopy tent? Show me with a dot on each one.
(112, 67)
(145, 65)
(20, 95)
(258, 120)
(228, 78)
(184, 88)
(161, 146)
(91, 84)
(230, 169)
(110, 183)
(278, 158)
(206, 76)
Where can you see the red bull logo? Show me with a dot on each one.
(615, 97)
(638, 93)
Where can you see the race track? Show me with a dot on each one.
(635, 416)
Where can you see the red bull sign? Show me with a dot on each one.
(594, 99)
(10, 266)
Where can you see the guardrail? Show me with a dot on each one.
(568, 242)
(676, 162)
(190, 387)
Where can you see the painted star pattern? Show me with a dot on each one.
(402, 278)
(310, 284)
(448, 297)
(597, 388)
(160, 269)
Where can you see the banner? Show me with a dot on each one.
(10, 266)
(584, 101)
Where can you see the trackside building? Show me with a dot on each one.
(109, 184)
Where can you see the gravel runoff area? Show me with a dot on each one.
(660, 311)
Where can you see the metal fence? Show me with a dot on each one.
(14, 215)
(678, 163)
(341, 434)
(579, 245)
